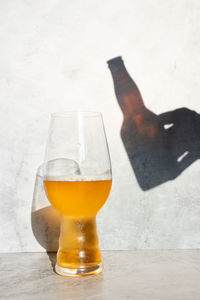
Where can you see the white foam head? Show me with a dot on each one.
(63, 169)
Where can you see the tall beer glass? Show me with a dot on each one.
(77, 182)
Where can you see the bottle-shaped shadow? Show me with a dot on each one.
(45, 219)
(159, 147)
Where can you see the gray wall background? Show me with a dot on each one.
(53, 58)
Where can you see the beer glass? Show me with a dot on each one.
(77, 182)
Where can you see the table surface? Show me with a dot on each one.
(141, 275)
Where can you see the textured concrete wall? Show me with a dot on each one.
(53, 58)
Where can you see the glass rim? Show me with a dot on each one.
(65, 114)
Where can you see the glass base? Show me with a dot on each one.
(84, 271)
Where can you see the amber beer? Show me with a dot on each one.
(78, 201)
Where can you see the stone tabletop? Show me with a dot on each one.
(140, 275)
